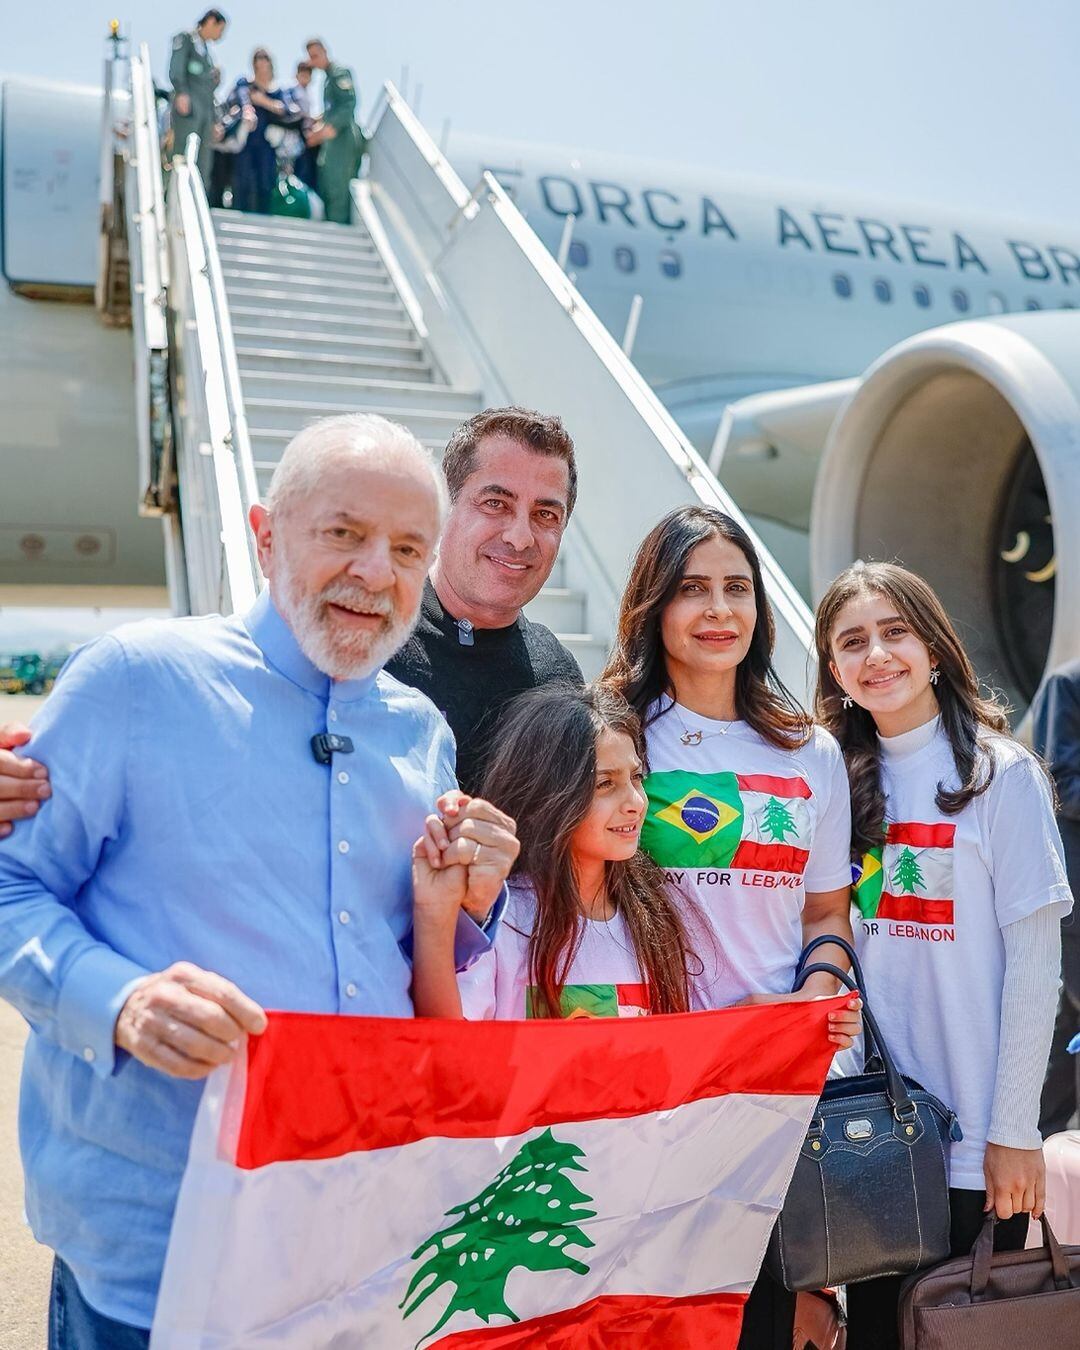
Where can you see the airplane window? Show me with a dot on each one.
(579, 253)
(841, 284)
(625, 259)
(670, 263)
(1032, 304)
(922, 296)
(996, 303)
(961, 302)
(883, 291)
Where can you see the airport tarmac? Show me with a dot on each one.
(24, 1266)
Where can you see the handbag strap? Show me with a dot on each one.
(901, 1103)
(982, 1254)
(831, 940)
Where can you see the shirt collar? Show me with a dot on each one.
(277, 642)
(436, 612)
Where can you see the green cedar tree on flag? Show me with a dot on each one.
(911, 876)
(451, 1185)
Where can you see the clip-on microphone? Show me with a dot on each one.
(326, 745)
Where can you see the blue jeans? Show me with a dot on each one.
(74, 1325)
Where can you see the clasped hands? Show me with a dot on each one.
(185, 1021)
(463, 857)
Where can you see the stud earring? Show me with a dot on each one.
(935, 675)
(848, 701)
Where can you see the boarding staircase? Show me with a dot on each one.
(434, 302)
(319, 329)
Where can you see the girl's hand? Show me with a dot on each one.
(844, 1024)
(439, 886)
(1015, 1181)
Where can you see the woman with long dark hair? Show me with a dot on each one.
(589, 929)
(748, 802)
(961, 891)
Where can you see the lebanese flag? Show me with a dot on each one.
(455, 1185)
(772, 808)
(917, 865)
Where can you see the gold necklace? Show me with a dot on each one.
(696, 737)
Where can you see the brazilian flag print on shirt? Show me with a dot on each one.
(756, 821)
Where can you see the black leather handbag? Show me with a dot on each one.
(870, 1193)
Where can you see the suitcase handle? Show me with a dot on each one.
(983, 1254)
(902, 1105)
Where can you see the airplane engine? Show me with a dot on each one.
(958, 455)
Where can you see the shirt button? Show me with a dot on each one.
(333, 714)
(344, 916)
(88, 1054)
(350, 990)
(343, 777)
(343, 846)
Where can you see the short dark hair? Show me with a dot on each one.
(212, 16)
(261, 54)
(304, 66)
(316, 42)
(543, 433)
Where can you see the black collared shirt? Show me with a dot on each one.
(471, 682)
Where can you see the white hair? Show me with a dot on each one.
(364, 437)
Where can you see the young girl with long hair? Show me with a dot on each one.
(748, 809)
(590, 929)
(961, 891)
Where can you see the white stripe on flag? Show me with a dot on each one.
(660, 1183)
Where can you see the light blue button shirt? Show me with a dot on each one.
(190, 821)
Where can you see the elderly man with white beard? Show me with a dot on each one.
(234, 807)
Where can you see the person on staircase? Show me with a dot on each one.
(255, 166)
(336, 137)
(193, 76)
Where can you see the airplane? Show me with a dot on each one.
(754, 309)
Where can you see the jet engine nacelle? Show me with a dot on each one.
(959, 456)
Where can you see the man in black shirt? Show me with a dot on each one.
(513, 482)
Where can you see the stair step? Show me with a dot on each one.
(561, 610)
(415, 405)
(371, 323)
(247, 222)
(307, 304)
(273, 266)
(283, 246)
(307, 284)
(300, 361)
(591, 653)
(377, 341)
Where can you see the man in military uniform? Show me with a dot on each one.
(194, 77)
(339, 139)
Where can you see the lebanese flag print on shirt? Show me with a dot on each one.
(457, 1185)
(911, 877)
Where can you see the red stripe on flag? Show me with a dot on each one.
(700, 1322)
(319, 1086)
(921, 836)
(632, 996)
(775, 787)
(770, 857)
(914, 907)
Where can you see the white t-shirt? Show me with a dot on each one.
(745, 830)
(603, 981)
(930, 907)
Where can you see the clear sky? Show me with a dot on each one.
(970, 103)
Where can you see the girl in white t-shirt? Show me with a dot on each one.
(748, 802)
(589, 929)
(959, 897)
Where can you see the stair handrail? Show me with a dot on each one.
(213, 453)
(144, 209)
